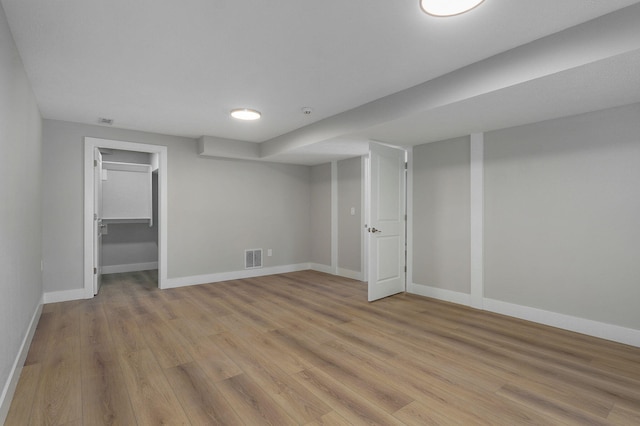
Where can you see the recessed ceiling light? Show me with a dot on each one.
(448, 7)
(245, 114)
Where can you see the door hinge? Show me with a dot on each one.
(405, 268)
(95, 271)
(95, 163)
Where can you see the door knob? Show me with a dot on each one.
(374, 230)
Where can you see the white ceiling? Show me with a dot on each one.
(178, 68)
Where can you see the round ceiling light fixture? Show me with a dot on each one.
(448, 7)
(245, 114)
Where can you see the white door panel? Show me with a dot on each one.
(386, 231)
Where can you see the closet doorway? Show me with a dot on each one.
(110, 165)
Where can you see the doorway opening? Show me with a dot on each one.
(117, 225)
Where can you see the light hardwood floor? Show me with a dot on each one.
(306, 348)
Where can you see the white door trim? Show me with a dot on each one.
(89, 145)
(97, 223)
(364, 216)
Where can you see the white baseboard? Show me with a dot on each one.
(440, 294)
(233, 275)
(327, 269)
(14, 375)
(616, 333)
(67, 295)
(64, 295)
(342, 272)
(129, 267)
(348, 273)
(76, 294)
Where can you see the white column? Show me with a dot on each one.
(409, 221)
(334, 217)
(477, 219)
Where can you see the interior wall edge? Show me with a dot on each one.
(14, 375)
(64, 295)
(77, 294)
(327, 269)
(234, 275)
(440, 294)
(615, 333)
(348, 273)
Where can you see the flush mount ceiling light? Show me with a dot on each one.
(448, 7)
(245, 114)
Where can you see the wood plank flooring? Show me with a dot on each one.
(306, 348)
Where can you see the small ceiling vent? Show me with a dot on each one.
(253, 258)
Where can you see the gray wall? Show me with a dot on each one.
(441, 212)
(129, 243)
(20, 211)
(216, 207)
(562, 211)
(320, 214)
(349, 226)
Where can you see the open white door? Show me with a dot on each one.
(97, 220)
(386, 227)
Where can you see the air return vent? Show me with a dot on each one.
(253, 258)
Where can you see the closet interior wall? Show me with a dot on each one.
(128, 247)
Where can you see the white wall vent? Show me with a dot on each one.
(253, 258)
